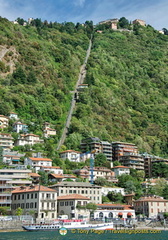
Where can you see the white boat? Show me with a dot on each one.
(68, 224)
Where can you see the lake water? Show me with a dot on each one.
(102, 235)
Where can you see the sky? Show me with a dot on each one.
(154, 12)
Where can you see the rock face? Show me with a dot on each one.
(8, 59)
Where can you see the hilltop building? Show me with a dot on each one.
(112, 22)
(28, 139)
(122, 149)
(37, 163)
(13, 115)
(119, 170)
(139, 21)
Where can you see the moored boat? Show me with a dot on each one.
(68, 224)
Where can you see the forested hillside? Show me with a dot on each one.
(127, 98)
(127, 75)
(39, 68)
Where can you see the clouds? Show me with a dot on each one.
(79, 3)
(152, 11)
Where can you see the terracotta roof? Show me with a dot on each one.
(73, 196)
(51, 167)
(56, 175)
(126, 207)
(34, 174)
(120, 167)
(70, 151)
(62, 175)
(36, 188)
(40, 159)
(151, 199)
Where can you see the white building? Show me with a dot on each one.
(13, 115)
(52, 169)
(114, 211)
(119, 170)
(106, 190)
(42, 200)
(18, 127)
(37, 163)
(29, 139)
(71, 155)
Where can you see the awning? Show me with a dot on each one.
(129, 214)
(120, 213)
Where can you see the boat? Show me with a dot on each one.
(68, 224)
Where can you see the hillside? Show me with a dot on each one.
(39, 67)
(127, 74)
(127, 97)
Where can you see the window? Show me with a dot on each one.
(43, 195)
(42, 205)
(22, 196)
(52, 215)
(48, 204)
(157, 203)
(100, 215)
(53, 196)
(22, 205)
(110, 215)
(82, 191)
(35, 205)
(14, 197)
(61, 190)
(35, 195)
(19, 197)
(31, 205)
(27, 205)
(27, 196)
(74, 191)
(86, 191)
(151, 210)
(48, 195)
(31, 195)
(61, 203)
(66, 203)
(70, 191)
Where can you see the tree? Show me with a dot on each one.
(123, 22)
(130, 187)
(100, 181)
(165, 192)
(19, 211)
(100, 160)
(43, 178)
(91, 207)
(20, 21)
(115, 197)
(19, 76)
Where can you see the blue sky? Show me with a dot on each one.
(154, 12)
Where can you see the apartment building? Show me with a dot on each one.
(4, 121)
(71, 155)
(17, 177)
(91, 191)
(42, 200)
(95, 144)
(6, 140)
(133, 161)
(151, 206)
(123, 148)
(5, 192)
(70, 205)
(60, 177)
(52, 169)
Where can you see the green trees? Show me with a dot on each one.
(160, 170)
(100, 160)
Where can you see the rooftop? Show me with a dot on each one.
(40, 159)
(151, 199)
(73, 196)
(75, 184)
(37, 188)
(120, 167)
